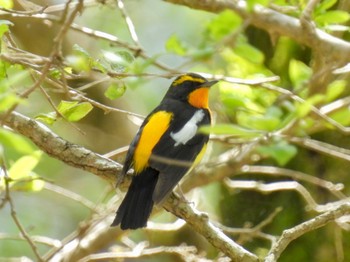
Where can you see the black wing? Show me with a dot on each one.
(176, 159)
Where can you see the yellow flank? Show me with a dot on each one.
(187, 78)
(200, 155)
(152, 132)
(199, 97)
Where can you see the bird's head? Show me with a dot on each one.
(191, 88)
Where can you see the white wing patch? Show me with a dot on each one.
(189, 130)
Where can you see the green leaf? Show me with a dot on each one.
(15, 142)
(79, 63)
(4, 27)
(281, 152)
(24, 165)
(33, 184)
(8, 100)
(74, 111)
(342, 116)
(223, 24)
(37, 185)
(78, 50)
(80, 60)
(249, 53)
(115, 90)
(261, 122)
(332, 17)
(49, 118)
(116, 61)
(55, 73)
(324, 5)
(305, 108)
(8, 4)
(335, 89)
(174, 45)
(229, 129)
(299, 73)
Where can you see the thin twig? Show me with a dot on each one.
(291, 234)
(129, 23)
(335, 189)
(15, 219)
(273, 187)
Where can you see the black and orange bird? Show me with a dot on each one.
(167, 137)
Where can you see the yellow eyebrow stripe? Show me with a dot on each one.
(156, 126)
(187, 78)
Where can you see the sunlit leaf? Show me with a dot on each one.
(281, 151)
(15, 142)
(74, 111)
(8, 4)
(299, 73)
(24, 165)
(305, 108)
(229, 129)
(8, 100)
(335, 89)
(249, 52)
(174, 45)
(261, 122)
(324, 5)
(33, 183)
(116, 61)
(223, 24)
(115, 90)
(4, 26)
(37, 185)
(342, 116)
(332, 17)
(79, 63)
(55, 73)
(49, 118)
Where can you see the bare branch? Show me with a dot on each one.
(181, 251)
(200, 223)
(275, 22)
(276, 186)
(61, 149)
(293, 233)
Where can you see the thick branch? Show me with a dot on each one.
(87, 160)
(61, 149)
(275, 22)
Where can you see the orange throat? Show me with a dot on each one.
(199, 98)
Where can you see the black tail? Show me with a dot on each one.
(137, 205)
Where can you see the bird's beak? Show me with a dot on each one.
(210, 83)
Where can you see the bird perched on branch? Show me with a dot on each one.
(165, 148)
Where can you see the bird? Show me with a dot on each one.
(166, 147)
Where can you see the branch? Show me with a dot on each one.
(275, 22)
(293, 233)
(87, 160)
(61, 149)
(201, 224)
